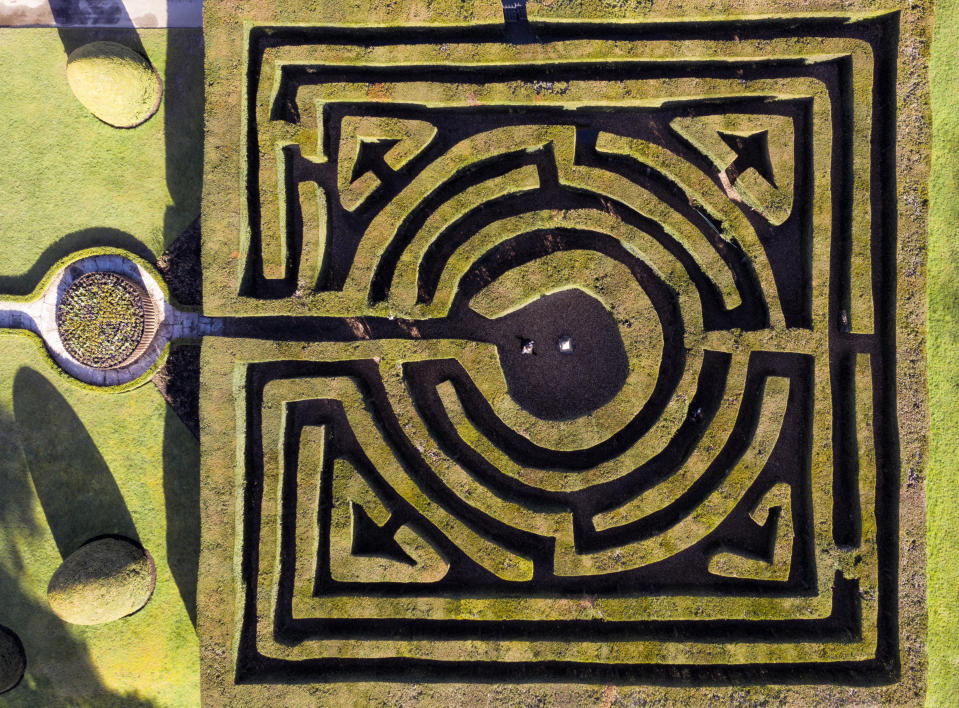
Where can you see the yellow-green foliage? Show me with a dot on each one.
(943, 481)
(114, 83)
(100, 319)
(101, 582)
(224, 387)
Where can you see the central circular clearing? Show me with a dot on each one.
(584, 371)
(101, 319)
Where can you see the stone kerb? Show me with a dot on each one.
(165, 315)
(164, 322)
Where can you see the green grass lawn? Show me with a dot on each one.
(77, 463)
(70, 181)
(943, 330)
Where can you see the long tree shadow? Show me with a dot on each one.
(183, 103)
(59, 667)
(99, 237)
(181, 490)
(77, 492)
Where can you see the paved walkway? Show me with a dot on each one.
(20, 315)
(39, 316)
(101, 13)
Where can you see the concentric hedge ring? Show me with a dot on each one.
(105, 320)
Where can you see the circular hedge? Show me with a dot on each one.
(102, 319)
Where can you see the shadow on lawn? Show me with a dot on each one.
(59, 668)
(100, 237)
(78, 494)
(181, 490)
(183, 104)
(77, 491)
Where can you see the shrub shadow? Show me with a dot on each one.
(77, 492)
(99, 237)
(59, 667)
(183, 106)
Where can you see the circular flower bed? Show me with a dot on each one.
(102, 319)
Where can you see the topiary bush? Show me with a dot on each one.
(114, 83)
(102, 581)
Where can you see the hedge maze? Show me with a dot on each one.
(569, 358)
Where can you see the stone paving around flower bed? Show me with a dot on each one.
(39, 316)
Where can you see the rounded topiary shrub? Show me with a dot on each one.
(102, 581)
(13, 661)
(105, 321)
(114, 83)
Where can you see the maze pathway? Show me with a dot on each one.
(568, 357)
